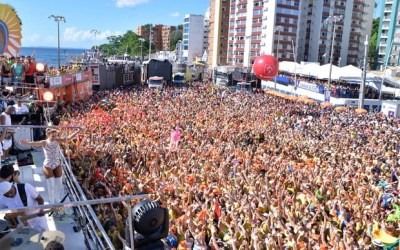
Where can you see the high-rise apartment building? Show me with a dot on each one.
(193, 36)
(218, 32)
(300, 29)
(166, 37)
(160, 35)
(245, 31)
(143, 31)
(388, 44)
(206, 30)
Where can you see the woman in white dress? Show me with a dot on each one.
(52, 162)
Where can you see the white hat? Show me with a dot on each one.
(5, 186)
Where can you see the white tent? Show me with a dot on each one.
(310, 69)
(350, 71)
(288, 66)
(323, 72)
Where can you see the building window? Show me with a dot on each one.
(257, 12)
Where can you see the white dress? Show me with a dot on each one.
(52, 154)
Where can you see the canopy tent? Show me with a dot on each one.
(310, 69)
(290, 67)
(323, 72)
(351, 72)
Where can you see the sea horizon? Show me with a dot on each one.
(52, 47)
(49, 55)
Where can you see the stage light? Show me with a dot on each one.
(40, 67)
(151, 224)
(48, 96)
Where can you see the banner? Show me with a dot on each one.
(309, 86)
(128, 78)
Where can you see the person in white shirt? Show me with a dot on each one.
(20, 108)
(5, 120)
(10, 198)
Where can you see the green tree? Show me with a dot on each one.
(373, 41)
(128, 43)
(176, 35)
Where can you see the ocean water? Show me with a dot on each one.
(49, 55)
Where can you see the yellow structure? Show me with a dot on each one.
(10, 31)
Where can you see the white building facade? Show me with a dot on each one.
(388, 44)
(193, 37)
(299, 28)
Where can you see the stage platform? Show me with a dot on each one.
(62, 221)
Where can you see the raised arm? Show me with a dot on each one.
(33, 143)
(3, 134)
(68, 137)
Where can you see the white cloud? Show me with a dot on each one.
(174, 14)
(72, 34)
(129, 3)
(51, 39)
(34, 38)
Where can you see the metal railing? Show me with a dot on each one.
(82, 206)
(86, 203)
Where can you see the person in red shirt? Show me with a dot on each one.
(30, 70)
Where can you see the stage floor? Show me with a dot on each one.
(64, 220)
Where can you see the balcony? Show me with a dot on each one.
(388, 10)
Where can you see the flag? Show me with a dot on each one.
(396, 215)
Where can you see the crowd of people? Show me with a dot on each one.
(339, 89)
(23, 71)
(240, 171)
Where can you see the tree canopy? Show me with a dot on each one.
(176, 35)
(373, 40)
(128, 43)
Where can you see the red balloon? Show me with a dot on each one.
(266, 67)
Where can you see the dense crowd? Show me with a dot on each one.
(250, 171)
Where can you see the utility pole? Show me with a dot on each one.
(95, 32)
(141, 48)
(58, 19)
(278, 28)
(331, 20)
(364, 76)
(150, 39)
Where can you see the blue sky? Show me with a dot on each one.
(110, 17)
(377, 11)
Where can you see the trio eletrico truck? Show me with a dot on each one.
(157, 69)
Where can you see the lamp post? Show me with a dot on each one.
(150, 38)
(382, 82)
(141, 48)
(249, 60)
(331, 20)
(295, 68)
(364, 75)
(58, 19)
(278, 28)
(95, 32)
